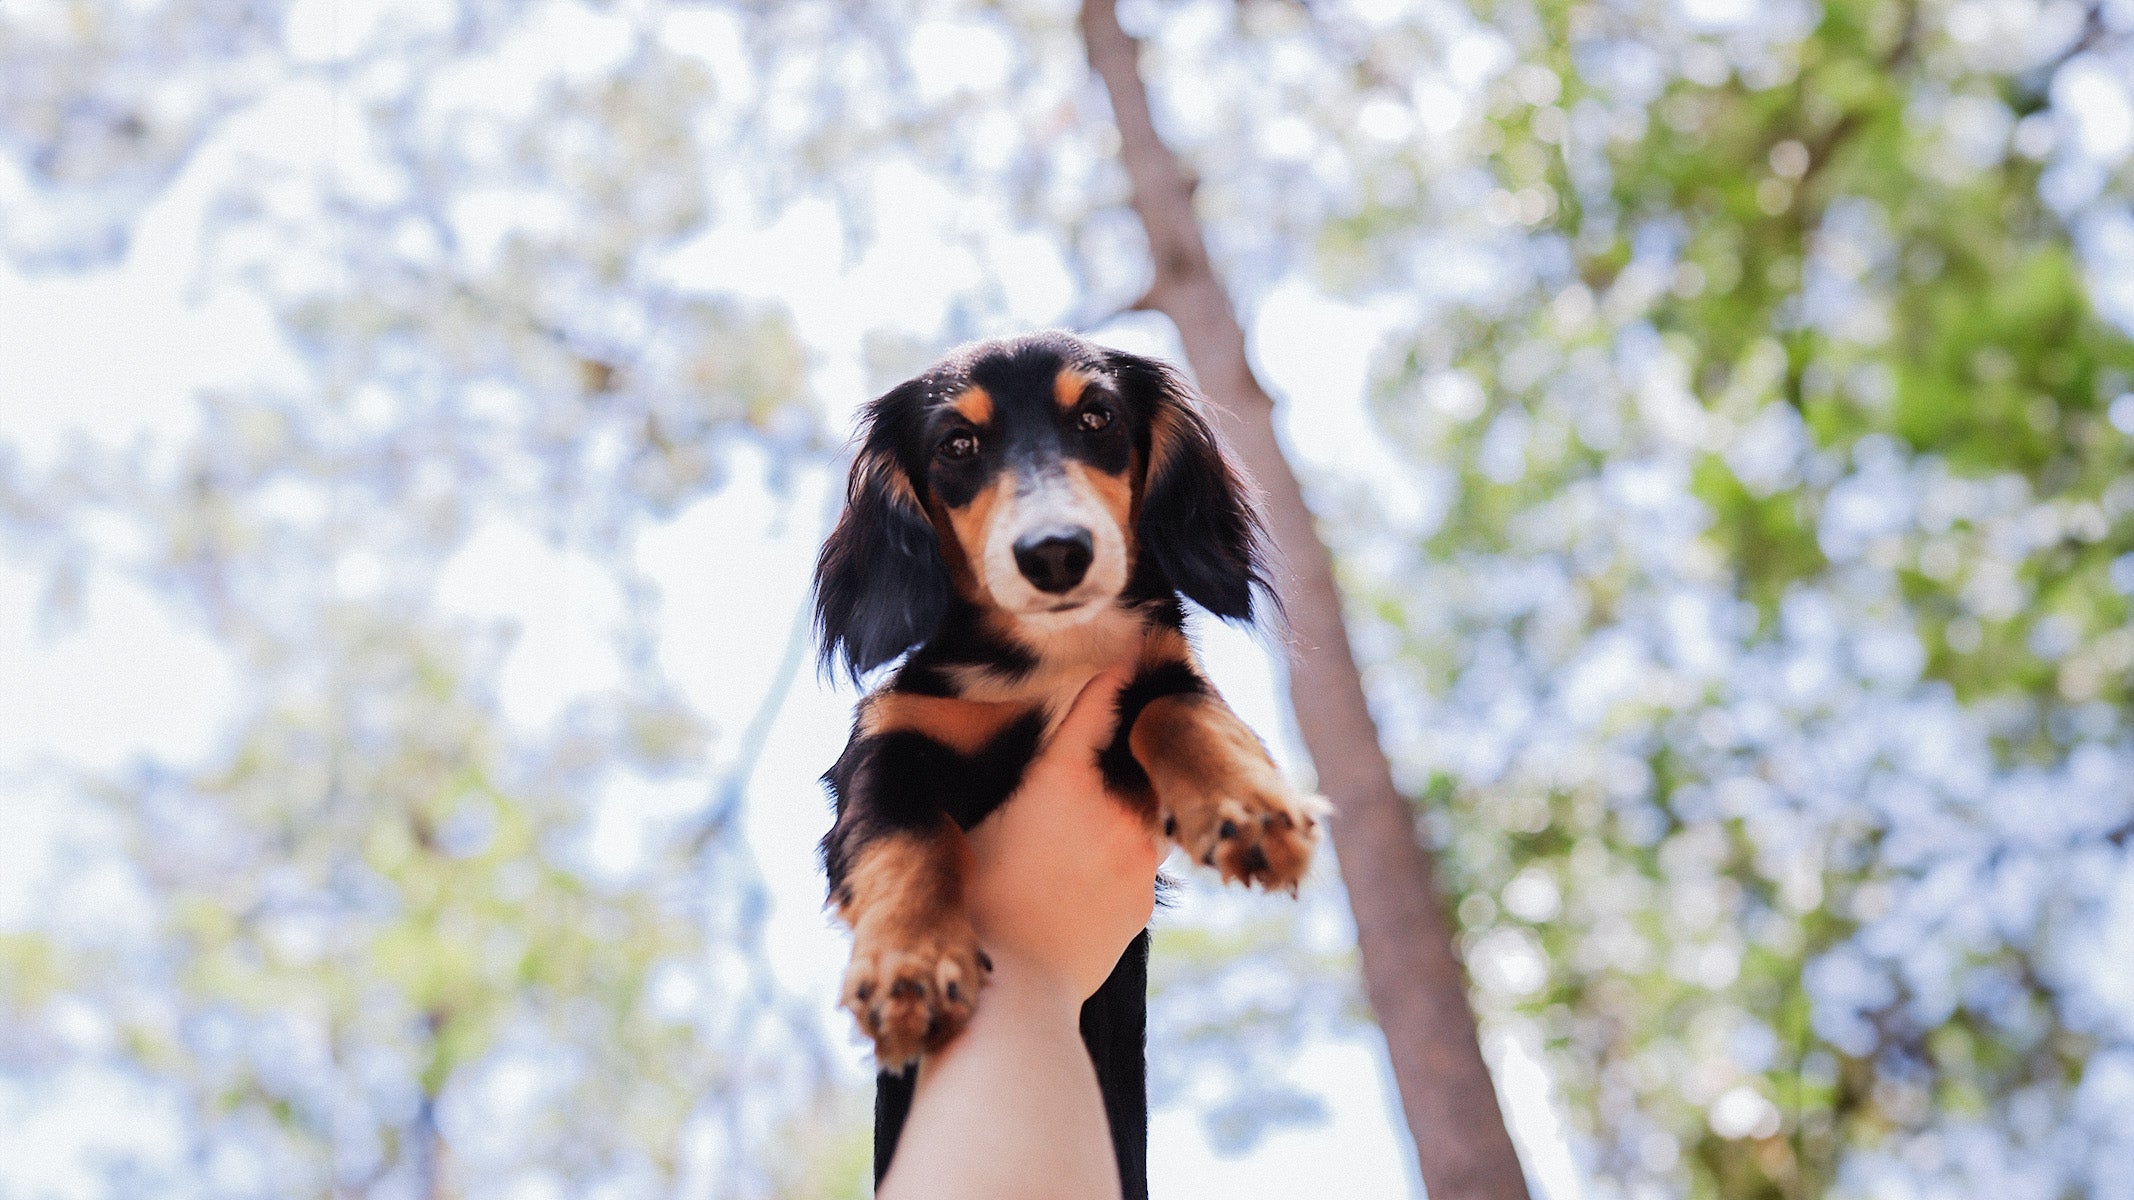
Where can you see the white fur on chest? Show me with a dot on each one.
(1071, 648)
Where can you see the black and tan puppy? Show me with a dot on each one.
(1020, 517)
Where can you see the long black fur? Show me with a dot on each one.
(1197, 527)
(880, 585)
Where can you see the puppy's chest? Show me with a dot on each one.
(936, 754)
(1067, 655)
(958, 736)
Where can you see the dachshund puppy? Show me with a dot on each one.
(1020, 517)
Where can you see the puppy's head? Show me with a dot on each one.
(1043, 479)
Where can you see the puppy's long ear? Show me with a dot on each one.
(1198, 522)
(880, 585)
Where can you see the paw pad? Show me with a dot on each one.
(911, 989)
(1264, 837)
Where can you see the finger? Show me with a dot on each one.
(1095, 711)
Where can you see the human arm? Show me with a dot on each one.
(1064, 879)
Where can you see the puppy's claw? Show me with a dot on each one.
(911, 988)
(1264, 836)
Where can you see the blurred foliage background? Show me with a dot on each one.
(1736, 516)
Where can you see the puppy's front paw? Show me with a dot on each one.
(911, 985)
(1258, 832)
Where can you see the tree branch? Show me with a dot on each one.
(1415, 985)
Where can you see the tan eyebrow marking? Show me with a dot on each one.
(1067, 386)
(976, 405)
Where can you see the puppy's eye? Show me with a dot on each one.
(959, 445)
(1095, 418)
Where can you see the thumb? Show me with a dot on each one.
(1090, 719)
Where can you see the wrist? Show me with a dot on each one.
(1032, 985)
(1022, 998)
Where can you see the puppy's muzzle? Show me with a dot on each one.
(1056, 559)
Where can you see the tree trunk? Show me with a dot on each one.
(1415, 985)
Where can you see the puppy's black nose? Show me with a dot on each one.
(1055, 560)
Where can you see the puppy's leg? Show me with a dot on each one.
(915, 773)
(1219, 794)
(915, 970)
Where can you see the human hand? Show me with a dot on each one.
(1065, 873)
